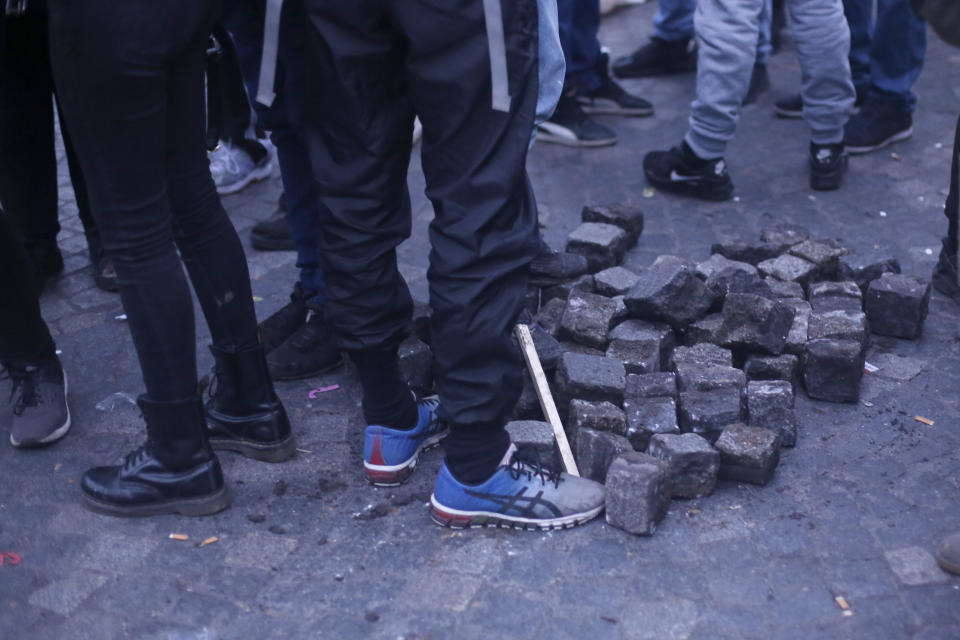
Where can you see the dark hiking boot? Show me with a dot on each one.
(610, 98)
(285, 321)
(243, 412)
(571, 126)
(657, 58)
(175, 471)
(309, 351)
(551, 267)
(828, 163)
(679, 170)
(945, 278)
(875, 127)
(39, 399)
(272, 234)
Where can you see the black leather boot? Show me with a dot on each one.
(244, 413)
(175, 471)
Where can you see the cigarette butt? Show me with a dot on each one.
(895, 156)
(207, 541)
(926, 421)
(842, 602)
(179, 536)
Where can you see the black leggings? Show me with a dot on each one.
(130, 77)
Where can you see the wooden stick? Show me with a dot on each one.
(546, 399)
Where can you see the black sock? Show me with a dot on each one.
(473, 453)
(387, 399)
(692, 159)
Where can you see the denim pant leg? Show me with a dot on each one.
(896, 54)
(859, 14)
(244, 20)
(673, 20)
(579, 22)
(764, 41)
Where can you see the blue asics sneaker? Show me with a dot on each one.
(390, 455)
(521, 494)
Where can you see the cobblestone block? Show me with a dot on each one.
(725, 281)
(620, 312)
(588, 318)
(614, 281)
(582, 349)
(797, 338)
(640, 330)
(603, 245)
(627, 217)
(788, 268)
(716, 263)
(536, 435)
(755, 323)
(638, 493)
(647, 417)
(785, 234)
(897, 305)
(696, 377)
(825, 254)
(562, 291)
(416, 365)
(770, 405)
(863, 272)
(750, 252)
(636, 356)
(548, 348)
(832, 370)
(671, 293)
(662, 384)
(549, 316)
(701, 354)
(835, 296)
(596, 450)
(694, 464)
(839, 325)
(707, 412)
(703, 330)
(599, 416)
(782, 367)
(589, 378)
(784, 289)
(748, 454)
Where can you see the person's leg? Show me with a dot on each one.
(670, 50)
(859, 15)
(579, 22)
(896, 54)
(673, 21)
(946, 277)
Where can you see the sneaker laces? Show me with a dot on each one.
(25, 381)
(527, 463)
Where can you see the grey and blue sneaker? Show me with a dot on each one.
(390, 455)
(39, 398)
(521, 494)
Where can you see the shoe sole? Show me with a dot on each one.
(613, 111)
(261, 243)
(547, 132)
(54, 435)
(897, 137)
(786, 113)
(309, 374)
(692, 188)
(262, 451)
(457, 519)
(828, 181)
(650, 73)
(397, 474)
(199, 506)
(255, 175)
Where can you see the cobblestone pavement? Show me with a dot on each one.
(310, 550)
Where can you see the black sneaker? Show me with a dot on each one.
(759, 82)
(945, 278)
(612, 99)
(39, 399)
(828, 163)
(658, 57)
(309, 351)
(680, 171)
(273, 234)
(875, 127)
(285, 321)
(551, 267)
(570, 126)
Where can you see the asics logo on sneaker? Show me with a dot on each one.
(676, 177)
(524, 506)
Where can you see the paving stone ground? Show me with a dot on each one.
(308, 549)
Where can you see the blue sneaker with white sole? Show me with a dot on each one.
(521, 494)
(390, 455)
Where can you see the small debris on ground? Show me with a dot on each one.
(926, 421)
(207, 541)
(179, 536)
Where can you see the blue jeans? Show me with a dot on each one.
(579, 21)
(886, 57)
(673, 21)
(244, 20)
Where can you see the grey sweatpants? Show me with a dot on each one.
(727, 32)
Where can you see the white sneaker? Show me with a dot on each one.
(233, 169)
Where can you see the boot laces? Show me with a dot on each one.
(24, 388)
(135, 457)
(527, 463)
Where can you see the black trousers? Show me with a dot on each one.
(130, 77)
(951, 243)
(375, 63)
(28, 163)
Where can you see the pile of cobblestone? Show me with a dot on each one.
(681, 374)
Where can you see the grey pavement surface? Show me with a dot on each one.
(308, 549)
